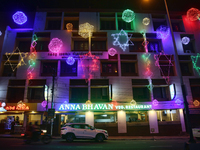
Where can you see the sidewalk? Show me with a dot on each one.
(113, 137)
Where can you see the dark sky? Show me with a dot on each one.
(135, 5)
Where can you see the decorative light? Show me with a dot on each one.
(112, 52)
(2, 105)
(85, 30)
(55, 45)
(32, 57)
(90, 67)
(178, 102)
(147, 61)
(162, 32)
(88, 102)
(69, 27)
(196, 103)
(20, 63)
(185, 40)
(168, 64)
(146, 21)
(155, 102)
(0, 33)
(128, 15)
(133, 102)
(70, 60)
(122, 39)
(195, 59)
(193, 14)
(44, 104)
(19, 17)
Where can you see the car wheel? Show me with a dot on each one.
(69, 137)
(100, 138)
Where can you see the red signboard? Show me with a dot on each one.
(20, 106)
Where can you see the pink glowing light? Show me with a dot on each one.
(155, 102)
(55, 45)
(112, 52)
(44, 104)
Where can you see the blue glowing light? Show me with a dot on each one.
(162, 32)
(185, 40)
(122, 39)
(19, 17)
(70, 60)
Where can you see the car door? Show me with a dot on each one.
(77, 130)
(89, 132)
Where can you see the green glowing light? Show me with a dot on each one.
(194, 61)
(128, 15)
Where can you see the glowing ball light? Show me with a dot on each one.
(69, 26)
(70, 60)
(146, 21)
(162, 32)
(196, 103)
(55, 45)
(128, 15)
(85, 30)
(193, 14)
(155, 102)
(44, 103)
(112, 51)
(185, 40)
(19, 17)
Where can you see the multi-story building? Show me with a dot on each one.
(102, 69)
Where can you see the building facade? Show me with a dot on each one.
(109, 69)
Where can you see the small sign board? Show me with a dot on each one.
(51, 112)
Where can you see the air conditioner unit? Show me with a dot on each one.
(188, 51)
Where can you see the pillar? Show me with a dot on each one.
(121, 119)
(89, 118)
(153, 122)
(182, 120)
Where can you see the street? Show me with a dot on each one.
(59, 144)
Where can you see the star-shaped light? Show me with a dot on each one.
(21, 62)
(168, 64)
(118, 36)
(195, 59)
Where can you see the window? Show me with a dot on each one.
(35, 92)
(99, 90)
(168, 115)
(79, 43)
(8, 70)
(72, 18)
(43, 41)
(68, 70)
(15, 91)
(155, 45)
(122, 24)
(195, 88)
(129, 65)
(167, 68)
(190, 47)
(158, 20)
(137, 116)
(99, 41)
(109, 68)
(53, 21)
(177, 23)
(48, 68)
(137, 47)
(107, 21)
(186, 65)
(160, 90)
(78, 91)
(23, 41)
(140, 90)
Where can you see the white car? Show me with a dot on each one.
(72, 131)
(196, 133)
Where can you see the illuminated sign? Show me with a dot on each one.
(2, 105)
(172, 91)
(20, 106)
(101, 106)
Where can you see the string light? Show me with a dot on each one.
(70, 60)
(128, 15)
(185, 40)
(32, 57)
(122, 43)
(193, 14)
(21, 61)
(162, 32)
(146, 21)
(85, 30)
(195, 59)
(112, 52)
(169, 64)
(69, 27)
(55, 45)
(19, 17)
